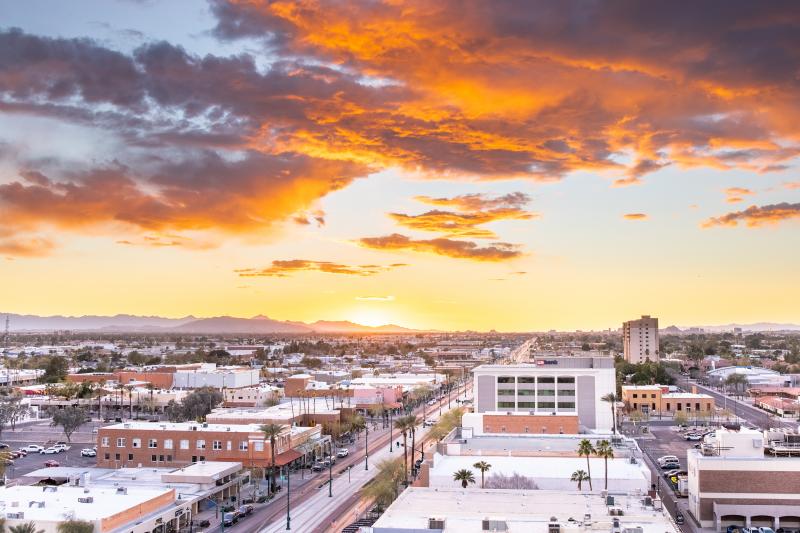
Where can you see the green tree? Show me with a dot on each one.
(383, 489)
(738, 381)
(464, 476)
(579, 476)
(271, 432)
(55, 369)
(200, 402)
(680, 418)
(605, 451)
(69, 419)
(585, 448)
(28, 527)
(75, 526)
(483, 467)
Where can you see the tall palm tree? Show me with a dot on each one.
(413, 422)
(580, 476)
(612, 399)
(484, 467)
(402, 425)
(464, 476)
(585, 448)
(271, 432)
(605, 451)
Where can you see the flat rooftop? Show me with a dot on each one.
(139, 425)
(463, 510)
(533, 444)
(63, 501)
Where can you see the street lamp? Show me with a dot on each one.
(366, 446)
(288, 490)
(330, 470)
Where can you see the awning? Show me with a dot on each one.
(287, 457)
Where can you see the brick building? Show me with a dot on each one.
(657, 400)
(180, 444)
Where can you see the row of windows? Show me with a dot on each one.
(200, 444)
(532, 405)
(533, 392)
(644, 395)
(542, 379)
(154, 458)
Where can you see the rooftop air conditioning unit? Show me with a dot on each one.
(435, 523)
(87, 499)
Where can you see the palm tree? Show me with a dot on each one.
(605, 451)
(402, 425)
(28, 527)
(580, 476)
(612, 399)
(271, 432)
(75, 526)
(464, 476)
(413, 422)
(736, 380)
(150, 387)
(484, 467)
(585, 448)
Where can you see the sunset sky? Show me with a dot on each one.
(449, 165)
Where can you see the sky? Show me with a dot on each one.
(503, 165)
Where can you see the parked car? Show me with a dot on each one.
(88, 452)
(732, 529)
(694, 436)
(679, 518)
(23, 452)
(204, 523)
(669, 465)
(665, 458)
(245, 510)
(3, 446)
(35, 448)
(432, 402)
(50, 450)
(765, 530)
(61, 447)
(316, 467)
(342, 452)
(228, 519)
(51, 463)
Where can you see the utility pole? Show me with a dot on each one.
(288, 491)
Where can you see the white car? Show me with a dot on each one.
(50, 450)
(667, 459)
(432, 402)
(33, 448)
(61, 447)
(88, 452)
(343, 452)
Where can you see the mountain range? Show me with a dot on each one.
(189, 324)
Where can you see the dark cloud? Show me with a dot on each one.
(499, 251)
(755, 216)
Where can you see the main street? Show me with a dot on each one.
(312, 509)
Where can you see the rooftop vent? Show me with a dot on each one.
(36, 504)
(87, 499)
(435, 523)
(122, 490)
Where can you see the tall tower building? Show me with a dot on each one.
(640, 339)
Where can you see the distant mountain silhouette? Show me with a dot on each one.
(259, 324)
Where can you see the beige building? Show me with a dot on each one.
(658, 400)
(640, 339)
(733, 482)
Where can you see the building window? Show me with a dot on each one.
(547, 380)
(526, 392)
(161, 458)
(202, 457)
(216, 445)
(130, 457)
(258, 445)
(696, 406)
(635, 395)
(201, 444)
(526, 379)
(107, 456)
(652, 395)
(136, 443)
(167, 444)
(566, 379)
(526, 429)
(194, 458)
(668, 406)
(566, 405)
(243, 446)
(121, 442)
(104, 442)
(505, 379)
(152, 443)
(184, 444)
(505, 405)
(547, 405)
(116, 457)
(229, 446)
(502, 429)
(547, 392)
(153, 458)
(169, 458)
(527, 405)
(505, 392)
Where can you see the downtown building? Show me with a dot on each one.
(560, 395)
(640, 340)
(179, 444)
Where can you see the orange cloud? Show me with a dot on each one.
(736, 194)
(479, 202)
(635, 216)
(25, 246)
(755, 216)
(283, 268)
(499, 251)
(792, 185)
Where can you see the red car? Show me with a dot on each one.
(51, 463)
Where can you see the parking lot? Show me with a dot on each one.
(42, 433)
(666, 440)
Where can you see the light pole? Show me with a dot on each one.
(330, 470)
(366, 446)
(390, 431)
(288, 490)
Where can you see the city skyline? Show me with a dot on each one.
(555, 167)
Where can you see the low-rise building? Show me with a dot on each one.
(458, 510)
(138, 443)
(733, 482)
(660, 400)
